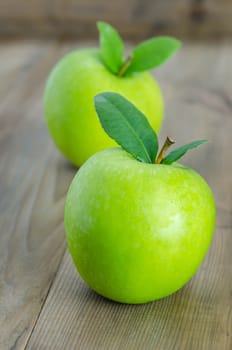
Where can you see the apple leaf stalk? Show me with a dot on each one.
(147, 55)
(129, 127)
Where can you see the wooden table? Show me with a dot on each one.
(43, 302)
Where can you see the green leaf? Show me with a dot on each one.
(180, 151)
(152, 53)
(123, 122)
(112, 46)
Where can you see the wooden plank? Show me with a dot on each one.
(33, 182)
(197, 88)
(136, 19)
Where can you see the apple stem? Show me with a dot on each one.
(124, 67)
(168, 142)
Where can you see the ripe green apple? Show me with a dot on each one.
(80, 75)
(68, 102)
(137, 232)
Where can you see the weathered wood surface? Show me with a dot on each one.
(43, 302)
(135, 18)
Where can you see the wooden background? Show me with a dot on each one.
(44, 304)
(135, 18)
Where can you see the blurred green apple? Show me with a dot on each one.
(137, 225)
(80, 75)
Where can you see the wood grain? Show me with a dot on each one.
(136, 19)
(43, 302)
(32, 187)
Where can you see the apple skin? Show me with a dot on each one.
(137, 232)
(69, 102)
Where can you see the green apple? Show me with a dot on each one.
(137, 230)
(80, 75)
